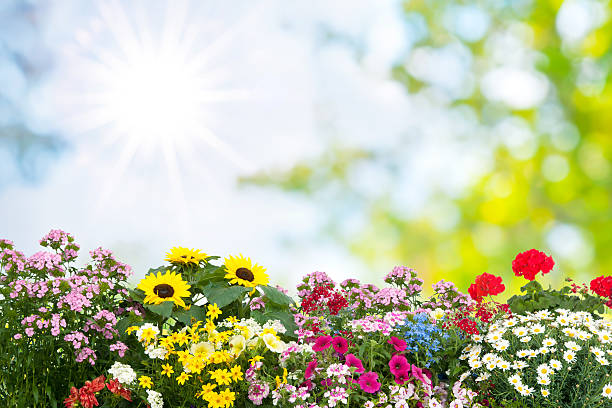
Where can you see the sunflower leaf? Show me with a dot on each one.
(285, 318)
(163, 309)
(223, 295)
(276, 296)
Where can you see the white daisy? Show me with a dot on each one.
(548, 342)
(544, 369)
(543, 380)
(515, 379)
(607, 391)
(569, 356)
(555, 364)
(545, 392)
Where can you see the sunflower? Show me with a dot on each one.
(169, 287)
(185, 256)
(241, 271)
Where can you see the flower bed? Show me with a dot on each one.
(201, 331)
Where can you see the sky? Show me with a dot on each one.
(158, 108)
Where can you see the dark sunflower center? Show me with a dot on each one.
(164, 290)
(246, 274)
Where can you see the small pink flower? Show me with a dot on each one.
(340, 344)
(398, 344)
(353, 361)
(29, 331)
(322, 343)
(17, 336)
(369, 382)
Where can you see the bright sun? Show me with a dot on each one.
(147, 80)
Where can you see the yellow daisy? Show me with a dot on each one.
(228, 397)
(182, 378)
(185, 256)
(167, 370)
(145, 382)
(241, 271)
(236, 373)
(169, 287)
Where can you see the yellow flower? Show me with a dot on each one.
(219, 357)
(236, 373)
(169, 287)
(228, 397)
(274, 343)
(221, 376)
(148, 334)
(232, 319)
(145, 382)
(206, 390)
(255, 359)
(131, 329)
(215, 400)
(237, 344)
(185, 256)
(241, 271)
(203, 349)
(210, 326)
(213, 311)
(181, 338)
(182, 378)
(167, 370)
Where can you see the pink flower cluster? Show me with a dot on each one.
(67, 299)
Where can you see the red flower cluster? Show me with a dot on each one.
(602, 286)
(527, 264)
(325, 294)
(86, 395)
(486, 284)
(468, 326)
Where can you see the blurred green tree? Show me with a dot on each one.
(537, 94)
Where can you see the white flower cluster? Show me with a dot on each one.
(123, 373)
(276, 325)
(154, 399)
(527, 350)
(156, 352)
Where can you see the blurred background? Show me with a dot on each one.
(339, 136)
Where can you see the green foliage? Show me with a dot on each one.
(537, 298)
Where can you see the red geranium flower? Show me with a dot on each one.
(602, 286)
(527, 264)
(486, 284)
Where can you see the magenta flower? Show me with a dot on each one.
(340, 344)
(419, 375)
(401, 377)
(322, 343)
(353, 361)
(399, 344)
(310, 369)
(398, 364)
(369, 382)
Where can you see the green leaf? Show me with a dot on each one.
(163, 309)
(285, 318)
(276, 296)
(223, 295)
